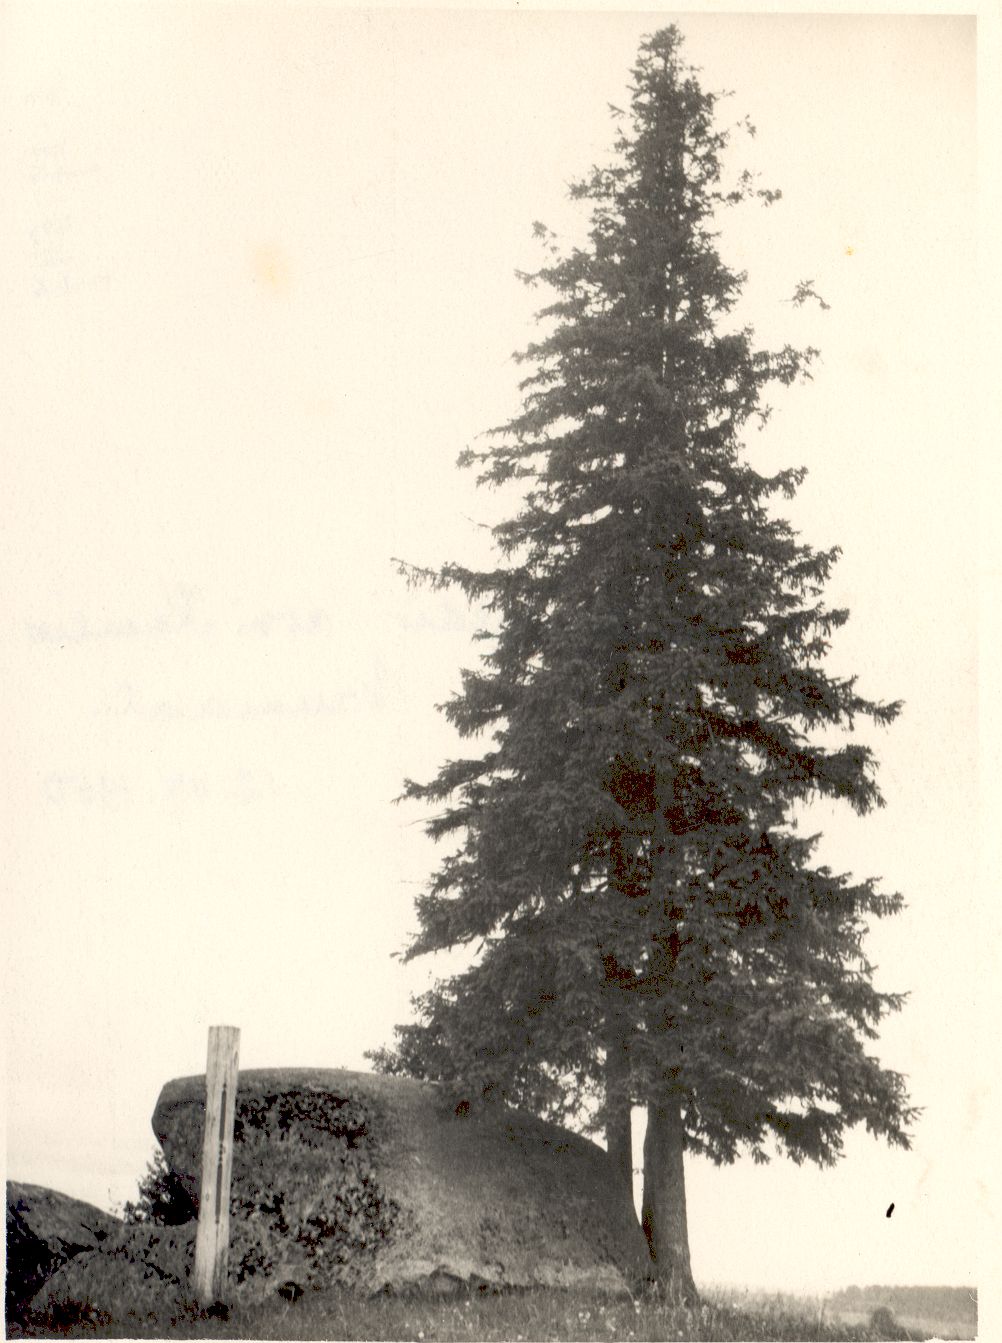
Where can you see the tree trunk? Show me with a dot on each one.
(664, 1214)
(619, 1109)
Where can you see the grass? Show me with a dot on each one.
(516, 1317)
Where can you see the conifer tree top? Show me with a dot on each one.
(653, 703)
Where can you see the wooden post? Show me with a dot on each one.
(212, 1239)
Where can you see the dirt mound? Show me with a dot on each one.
(384, 1183)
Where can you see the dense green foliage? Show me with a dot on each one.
(652, 707)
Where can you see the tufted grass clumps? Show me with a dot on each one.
(516, 1317)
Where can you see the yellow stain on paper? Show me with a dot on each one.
(271, 269)
(849, 250)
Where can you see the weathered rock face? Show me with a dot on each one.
(44, 1230)
(137, 1274)
(383, 1183)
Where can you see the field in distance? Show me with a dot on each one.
(946, 1312)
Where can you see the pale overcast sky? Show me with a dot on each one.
(262, 293)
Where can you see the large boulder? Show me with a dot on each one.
(384, 1183)
(139, 1274)
(45, 1229)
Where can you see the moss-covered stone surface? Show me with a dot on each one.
(45, 1229)
(384, 1183)
(137, 1275)
(346, 1180)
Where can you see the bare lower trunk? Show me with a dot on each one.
(664, 1214)
(619, 1111)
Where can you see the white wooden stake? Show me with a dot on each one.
(212, 1239)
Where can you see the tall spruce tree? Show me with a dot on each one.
(648, 926)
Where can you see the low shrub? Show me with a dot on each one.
(163, 1199)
